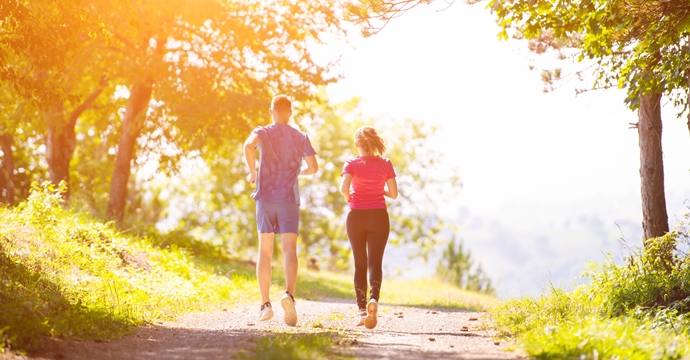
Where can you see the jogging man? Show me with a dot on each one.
(282, 149)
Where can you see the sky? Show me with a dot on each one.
(550, 181)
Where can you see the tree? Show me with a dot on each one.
(20, 135)
(636, 45)
(6, 170)
(41, 37)
(373, 15)
(61, 139)
(458, 268)
(53, 57)
(639, 46)
(206, 72)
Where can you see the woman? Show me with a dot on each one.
(367, 178)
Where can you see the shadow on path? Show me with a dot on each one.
(157, 343)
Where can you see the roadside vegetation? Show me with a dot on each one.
(634, 310)
(64, 274)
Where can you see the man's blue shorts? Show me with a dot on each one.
(277, 217)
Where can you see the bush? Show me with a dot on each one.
(65, 274)
(635, 310)
(456, 267)
(657, 277)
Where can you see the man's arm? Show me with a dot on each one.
(312, 166)
(345, 186)
(392, 191)
(250, 156)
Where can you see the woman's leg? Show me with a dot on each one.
(378, 230)
(356, 232)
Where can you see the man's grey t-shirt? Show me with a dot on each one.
(282, 150)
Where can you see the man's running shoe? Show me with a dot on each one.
(266, 312)
(372, 309)
(288, 302)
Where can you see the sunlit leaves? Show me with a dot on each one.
(640, 46)
(39, 37)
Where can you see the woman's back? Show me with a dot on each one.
(369, 176)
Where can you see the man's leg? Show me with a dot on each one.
(263, 265)
(289, 246)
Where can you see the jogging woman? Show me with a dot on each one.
(366, 179)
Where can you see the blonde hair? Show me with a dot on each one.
(369, 140)
(281, 103)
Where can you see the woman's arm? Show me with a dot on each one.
(345, 186)
(392, 188)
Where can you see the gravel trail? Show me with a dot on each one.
(402, 332)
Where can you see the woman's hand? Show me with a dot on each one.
(345, 186)
(391, 190)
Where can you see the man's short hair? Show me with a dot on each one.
(281, 103)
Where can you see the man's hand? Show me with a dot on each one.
(250, 156)
(312, 166)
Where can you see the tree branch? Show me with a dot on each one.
(74, 115)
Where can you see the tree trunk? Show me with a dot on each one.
(60, 144)
(135, 114)
(61, 138)
(7, 170)
(654, 216)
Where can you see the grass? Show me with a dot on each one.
(422, 292)
(637, 310)
(321, 345)
(64, 274)
(434, 293)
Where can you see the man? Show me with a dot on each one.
(277, 198)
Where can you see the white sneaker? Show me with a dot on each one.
(266, 312)
(361, 315)
(288, 302)
(372, 309)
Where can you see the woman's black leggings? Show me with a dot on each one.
(368, 233)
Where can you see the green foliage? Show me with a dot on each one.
(320, 284)
(434, 293)
(457, 267)
(40, 37)
(373, 15)
(297, 346)
(601, 338)
(518, 316)
(64, 274)
(215, 66)
(655, 278)
(22, 164)
(635, 310)
(639, 45)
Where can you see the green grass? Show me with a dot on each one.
(637, 310)
(434, 293)
(422, 292)
(322, 345)
(66, 275)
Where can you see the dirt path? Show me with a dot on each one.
(402, 333)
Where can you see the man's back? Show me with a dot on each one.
(282, 150)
